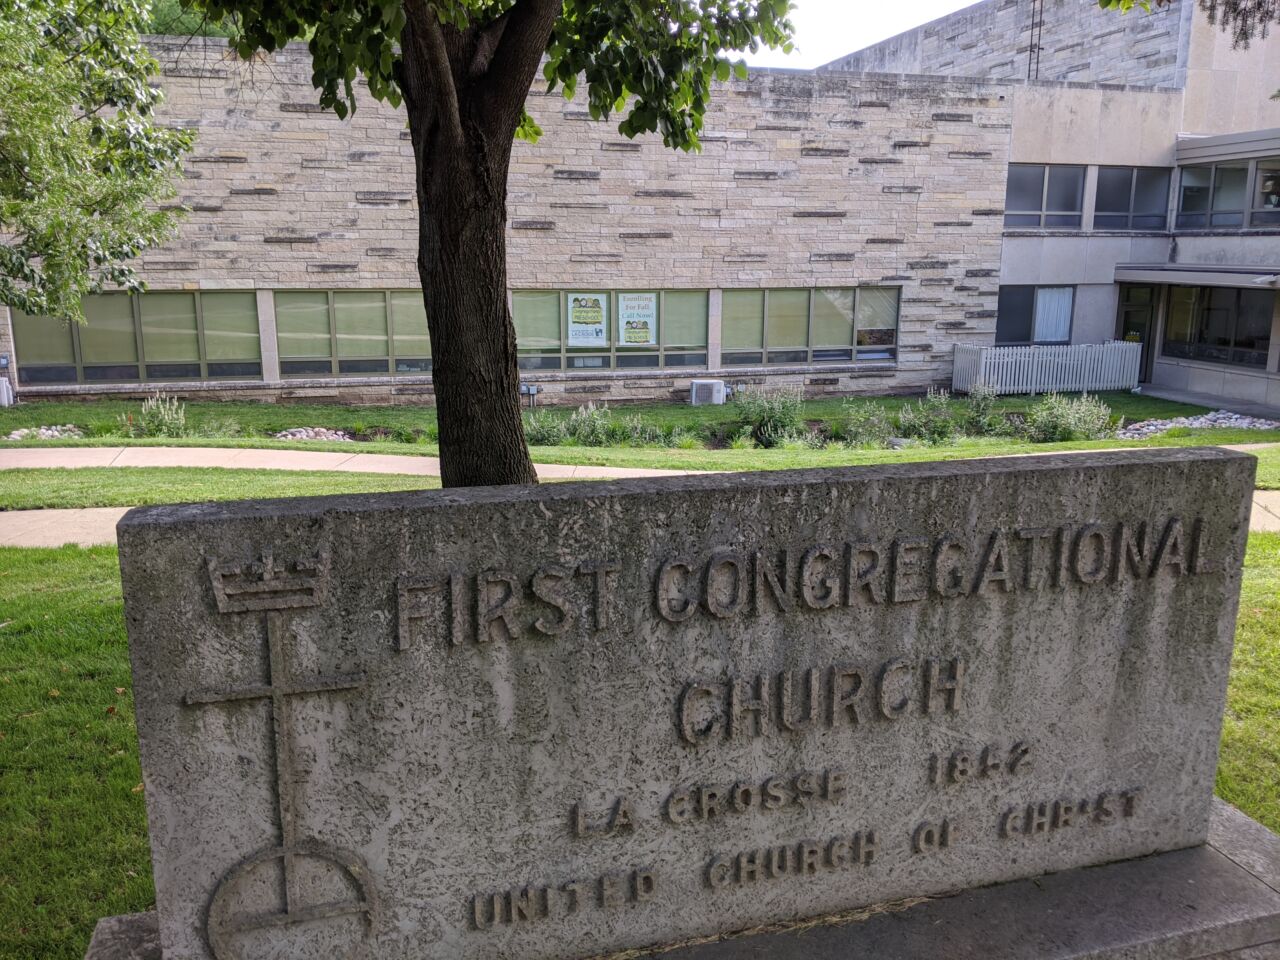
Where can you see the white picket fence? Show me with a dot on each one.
(1068, 369)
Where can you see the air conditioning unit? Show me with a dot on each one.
(706, 392)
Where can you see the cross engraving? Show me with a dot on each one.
(271, 590)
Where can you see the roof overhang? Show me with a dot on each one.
(1197, 275)
(1229, 146)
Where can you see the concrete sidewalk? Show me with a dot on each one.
(259, 459)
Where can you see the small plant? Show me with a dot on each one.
(589, 426)
(544, 429)
(160, 416)
(867, 424)
(103, 428)
(360, 429)
(684, 440)
(930, 420)
(404, 435)
(1057, 419)
(220, 427)
(742, 441)
(980, 416)
(771, 416)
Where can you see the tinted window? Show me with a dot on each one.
(1014, 314)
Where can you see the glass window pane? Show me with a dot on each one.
(1053, 315)
(537, 318)
(1193, 189)
(41, 339)
(169, 328)
(1179, 327)
(1066, 190)
(1151, 192)
(685, 318)
(876, 319)
(302, 324)
(832, 318)
(1025, 189)
(1253, 327)
(1114, 186)
(636, 326)
(742, 319)
(230, 325)
(360, 318)
(788, 318)
(1215, 324)
(1229, 187)
(1014, 313)
(1268, 186)
(107, 336)
(409, 319)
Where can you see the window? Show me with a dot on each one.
(1219, 325)
(369, 333)
(603, 329)
(827, 325)
(158, 336)
(1044, 196)
(1132, 198)
(1266, 199)
(1028, 314)
(1212, 196)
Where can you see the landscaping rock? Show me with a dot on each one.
(66, 432)
(1219, 418)
(314, 433)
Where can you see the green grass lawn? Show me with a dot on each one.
(137, 486)
(72, 821)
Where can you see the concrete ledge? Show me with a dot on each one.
(1216, 902)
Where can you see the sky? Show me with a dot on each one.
(827, 29)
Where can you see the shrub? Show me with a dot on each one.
(221, 427)
(771, 416)
(930, 420)
(1057, 419)
(980, 416)
(160, 416)
(589, 426)
(684, 440)
(742, 441)
(867, 424)
(103, 428)
(544, 429)
(404, 435)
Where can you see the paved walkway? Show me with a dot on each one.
(97, 525)
(1248, 408)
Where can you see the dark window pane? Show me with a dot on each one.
(111, 372)
(1062, 219)
(876, 353)
(59, 374)
(1265, 216)
(1151, 191)
(1179, 327)
(414, 366)
(832, 355)
(1066, 189)
(539, 363)
(739, 359)
(1191, 221)
(1115, 185)
(1149, 222)
(234, 368)
(684, 360)
(1022, 219)
(1227, 219)
(1253, 325)
(1014, 314)
(588, 363)
(637, 360)
(1194, 189)
(1229, 187)
(296, 367)
(362, 366)
(1137, 295)
(788, 356)
(173, 371)
(1025, 190)
(1111, 221)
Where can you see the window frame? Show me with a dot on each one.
(833, 354)
(1129, 215)
(391, 359)
(1199, 310)
(1044, 212)
(1035, 299)
(1180, 218)
(141, 364)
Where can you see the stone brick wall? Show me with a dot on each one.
(804, 180)
(1078, 41)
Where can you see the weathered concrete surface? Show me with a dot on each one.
(928, 677)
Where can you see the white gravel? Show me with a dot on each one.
(314, 433)
(1219, 418)
(67, 431)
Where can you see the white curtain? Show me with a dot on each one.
(1053, 315)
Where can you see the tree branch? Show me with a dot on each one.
(424, 39)
(514, 64)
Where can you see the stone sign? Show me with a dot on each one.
(552, 722)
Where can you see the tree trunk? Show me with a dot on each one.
(462, 262)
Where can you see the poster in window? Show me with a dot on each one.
(638, 319)
(588, 320)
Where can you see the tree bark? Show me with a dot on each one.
(463, 132)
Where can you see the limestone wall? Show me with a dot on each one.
(1078, 41)
(804, 180)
